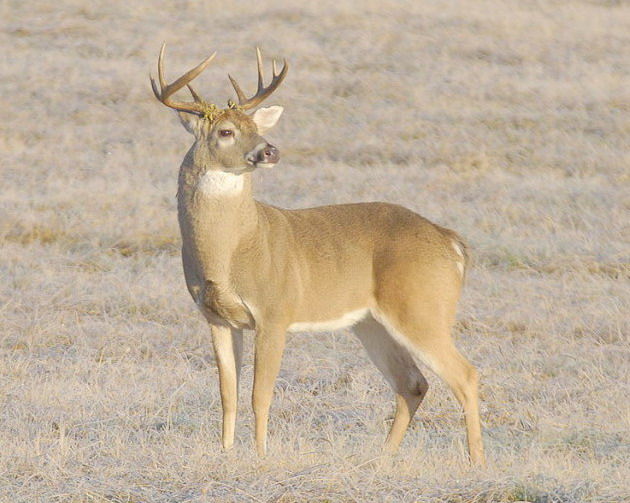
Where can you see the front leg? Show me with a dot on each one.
(269, 347)
(228, 348)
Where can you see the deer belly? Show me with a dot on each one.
(345, 321)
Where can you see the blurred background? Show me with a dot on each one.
(506, 121)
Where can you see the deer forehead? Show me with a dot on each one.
(234, 119)
(226, 125)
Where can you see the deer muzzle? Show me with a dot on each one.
(264, 155)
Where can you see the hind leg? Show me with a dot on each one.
(435, 348)
(463, 380)
(406, 406)
(400, 371)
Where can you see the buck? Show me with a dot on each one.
(390, 274)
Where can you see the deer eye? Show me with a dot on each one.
(225, 133)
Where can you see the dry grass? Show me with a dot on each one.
(507, 121)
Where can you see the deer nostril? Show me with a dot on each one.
(270, 154)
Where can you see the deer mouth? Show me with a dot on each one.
(264, 155)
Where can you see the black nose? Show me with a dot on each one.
(269, 154)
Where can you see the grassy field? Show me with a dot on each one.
(507, 121)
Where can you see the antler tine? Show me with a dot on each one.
(166, 90)
(195, 96)
(189, 75)
(155, 88)
(262, 92)
(239, 92)
(259, 64)
(161, 67)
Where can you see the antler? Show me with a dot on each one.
(165, 92)
(263, 92)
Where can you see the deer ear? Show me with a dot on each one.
(192, 122)
(266, 118)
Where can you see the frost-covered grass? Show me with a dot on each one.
(507, 121)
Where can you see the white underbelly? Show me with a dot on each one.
(347, 320)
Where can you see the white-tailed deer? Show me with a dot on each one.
(389, 273)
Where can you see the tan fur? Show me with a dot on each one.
(255, 266)
(390, 272)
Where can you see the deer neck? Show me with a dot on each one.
(216, 211)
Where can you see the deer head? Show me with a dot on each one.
(226, 138)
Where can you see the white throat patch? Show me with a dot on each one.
(220, 183)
